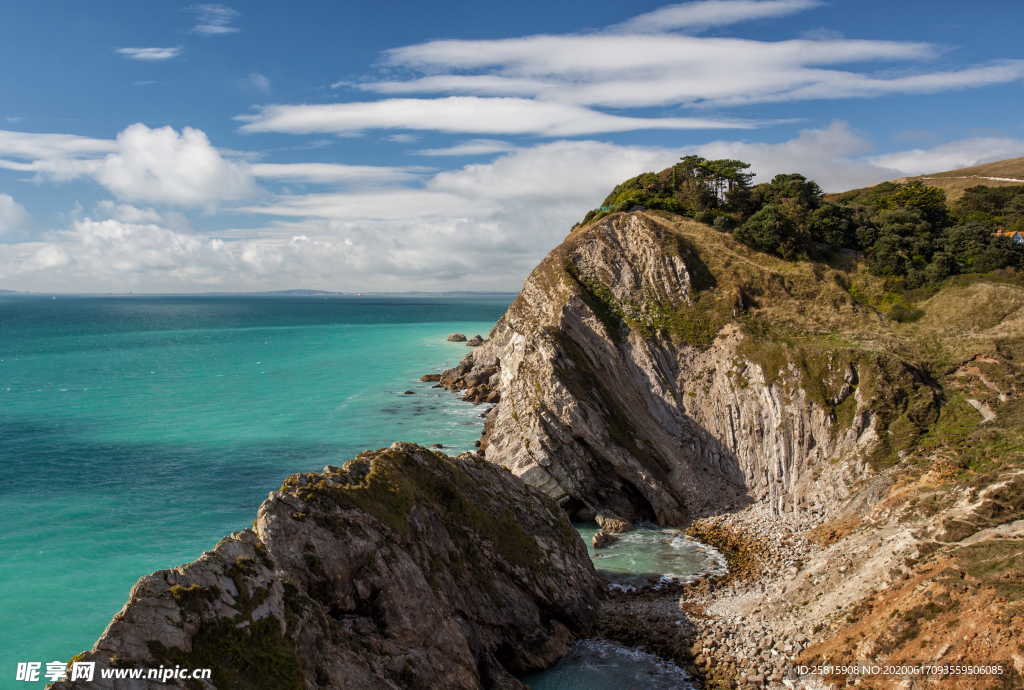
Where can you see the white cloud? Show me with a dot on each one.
(832, 157)
(214, 19)
(712, 13)
(57, 169)
(336, 172)
(473, 147)
(464, 114)
(163, 166)
(13, 215)
(952, 155)
(127, 213)
(260, 82)
(403, 138)
(616, 69)
(482, 226)
(149, 54)
(32, 145)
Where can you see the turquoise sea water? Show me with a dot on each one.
(137, 431)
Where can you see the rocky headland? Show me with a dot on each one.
(404, 569)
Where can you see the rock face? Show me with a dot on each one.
(637, 378)
(405, 569)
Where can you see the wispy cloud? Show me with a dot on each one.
(696, 15)
(464, 114)
(214, 19)
(360, 175)
(402, 138)
(149, 54)
(260, 82)
(37, 145)
(473, 147)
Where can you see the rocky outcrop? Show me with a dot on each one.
(456, 338)
(404, 569)
(638, 378)
(475, 341)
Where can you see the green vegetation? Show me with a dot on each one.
(257, 655)
(388, 484)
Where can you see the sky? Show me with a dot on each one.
(366, 146)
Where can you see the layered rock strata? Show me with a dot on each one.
(631, 382)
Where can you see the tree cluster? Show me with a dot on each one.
(905, 231)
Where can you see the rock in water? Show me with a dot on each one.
(427, 378)
(475, 341)
(602, 539)
(614, 525)
(456, 338)
(404, 569)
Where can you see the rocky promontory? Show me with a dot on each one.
(404, 569)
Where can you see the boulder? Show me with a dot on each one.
(456, 338)
(475, 341)
(614, 525)
(430, 378)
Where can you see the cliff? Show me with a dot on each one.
(655, 369)
(404, 569)
(868, 470)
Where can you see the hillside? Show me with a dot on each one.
(1005, 173)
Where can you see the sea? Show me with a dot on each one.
(135, 431)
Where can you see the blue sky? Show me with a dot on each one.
(181, 147)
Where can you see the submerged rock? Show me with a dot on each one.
(404, 569)
(602, 539)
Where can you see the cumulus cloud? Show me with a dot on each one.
(832, 156)
(481, 226)
(142, 164)
(214, 19)
(712, 13)
(464, 114)
(149, 54)
(165, 166)
(13, 215)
